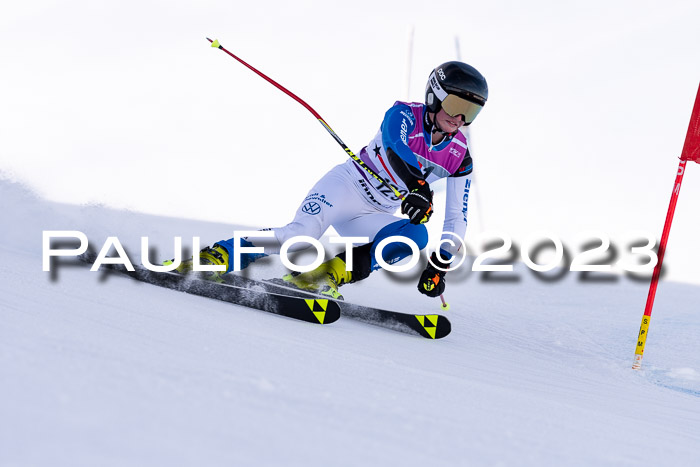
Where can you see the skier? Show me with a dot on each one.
(416, 145)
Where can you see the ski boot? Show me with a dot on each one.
(323, 280)
(212, 256)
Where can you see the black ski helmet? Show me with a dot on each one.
(458, 88)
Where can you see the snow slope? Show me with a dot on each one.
(106, 371)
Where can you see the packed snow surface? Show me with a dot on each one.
(103, 370)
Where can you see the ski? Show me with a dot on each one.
(287, 301)
(430, 326)
(310, 309)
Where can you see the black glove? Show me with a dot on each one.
(418, 204)
(432, 281)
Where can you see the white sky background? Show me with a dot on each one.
(124, 103)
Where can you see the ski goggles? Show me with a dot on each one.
(452, 103)
(455, 105)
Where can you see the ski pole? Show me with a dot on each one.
(445, 306)
(215, 43)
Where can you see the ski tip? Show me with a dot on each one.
(433, 326)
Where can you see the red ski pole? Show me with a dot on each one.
(215, 43)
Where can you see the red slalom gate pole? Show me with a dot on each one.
(644, 328)
(691, 152)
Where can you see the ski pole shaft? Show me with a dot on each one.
(215, 43)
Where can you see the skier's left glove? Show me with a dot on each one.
(432, 281)
(418, 203)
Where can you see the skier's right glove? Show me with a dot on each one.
(418, 204)
(432, 281)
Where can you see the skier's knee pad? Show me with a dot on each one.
(403, 228)
(396, 251)
(363, 256)
(417, 233)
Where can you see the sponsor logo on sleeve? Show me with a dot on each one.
(465, 199)
(408, 115)
(404, 131)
